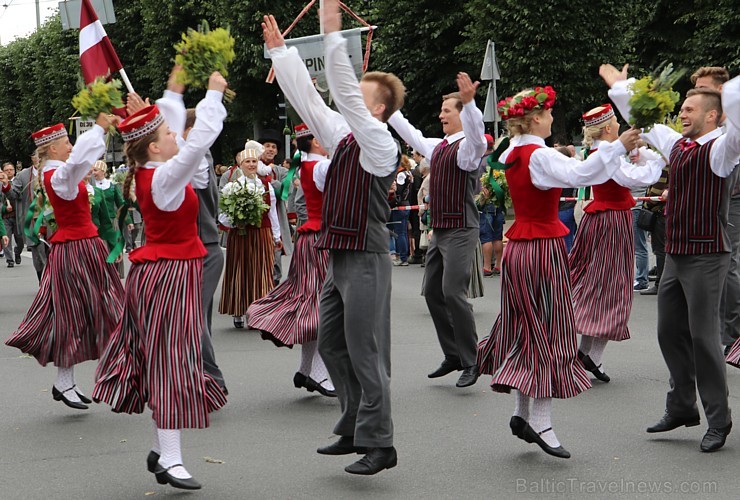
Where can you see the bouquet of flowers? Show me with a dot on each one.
(243, 203)
(653, 97)
(502, 194)
(119, 176)
(98, 97)
(203, 51)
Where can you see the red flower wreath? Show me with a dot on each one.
(539, 98)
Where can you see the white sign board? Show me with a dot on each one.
(83, 126)
(70, 12)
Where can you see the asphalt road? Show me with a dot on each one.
(452, 443)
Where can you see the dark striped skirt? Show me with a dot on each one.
(289, 314)
(733, 357)
(532, 346)
(154, 356)
(602, 267)
(77, 307)
(248, 273)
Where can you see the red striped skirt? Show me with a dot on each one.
(733, 357)
(248, 274)
(290, 313)
(77, 307)
(154, 356)
(532, 345)
(602, 268)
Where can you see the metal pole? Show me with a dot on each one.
(38, 16)
(126, 81)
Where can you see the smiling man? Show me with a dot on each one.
(455, 221)
(697, 251)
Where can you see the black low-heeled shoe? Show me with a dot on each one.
(299, 380)
(152, 460)
(518, 425)
(530, 433)
(311, 385)
(589, 364)
(238, 322)
(164, 477)
(59, 396)
(82, 397)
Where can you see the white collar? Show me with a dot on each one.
(455, 137)
(596, 144)
(52, 164)
(526, 140)
(313, 157)
(150, 165)
(104, 184)
(709, 136)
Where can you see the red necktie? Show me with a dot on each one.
(688, 146)
(443, 144)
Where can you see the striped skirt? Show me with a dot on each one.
(154, 356)
(532, 346)
(248, 274)
(733, 357)
(290, 313)
(77, 307)
(601, 272)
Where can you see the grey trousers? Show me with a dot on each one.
(213, 264)
(689, 335)
(355, 343)
(15, 239)
(446, 279)
(729, 307)
(39, 255)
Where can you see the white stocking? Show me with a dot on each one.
(541, 410)
(169, 440)
(65, 381)
(319, 372)
(597, 350)
(522, 405)
(307, 352)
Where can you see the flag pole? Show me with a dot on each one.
(126, 81)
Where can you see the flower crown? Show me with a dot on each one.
(539, 98)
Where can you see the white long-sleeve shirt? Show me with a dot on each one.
(549, 168)
(472, 145)
(171, 177)
(378, 154)
(67, 175)
(646, 171)
(725, 152)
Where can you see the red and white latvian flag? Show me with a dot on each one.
(97, 56)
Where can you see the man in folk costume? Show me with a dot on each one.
(697, 252)
(604, 248)
(22, 189)
(455, 220)
(289, 314)
(354, 326)
(80, 298)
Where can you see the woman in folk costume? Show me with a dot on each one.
(112, 202)
(290, 313)
(80, 297)
(532, 346)
(249, 248)
(602, 259)
(154, 356)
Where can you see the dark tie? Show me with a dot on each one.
(688, 145)
(443, 144)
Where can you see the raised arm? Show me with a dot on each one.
(725, 153)
(473, 146)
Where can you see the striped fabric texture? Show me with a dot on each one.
(248, 272)
(290, 313)
(532, 346)
(77, 307)
(154, 356)
(447, 187)
(693, 224)
(601, 273)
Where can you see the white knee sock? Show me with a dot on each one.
(65, 381)
(155, 446)
(169, 441)
(586, 343)
(307, 352)
(540, 421)
(597, 350)
(319, 372)
(522, 405)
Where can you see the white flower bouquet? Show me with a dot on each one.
(243, 202)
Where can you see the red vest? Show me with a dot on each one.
(536, 210)
(73, 217)
(169, 235)
(314, 198)
(610, 196)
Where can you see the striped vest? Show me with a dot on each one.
(451, 190)
(697, 206)
(355, 208)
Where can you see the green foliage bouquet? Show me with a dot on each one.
(243, 203)
(653, 98)
(203, 51)
(100, 96)
(497, 187)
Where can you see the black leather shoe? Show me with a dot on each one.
(445, 368)
(345, 445)
(517, 425)
(151, 462)
(299, 380)
(668, 423)
(469, 376)
(238, 321)
(534, 437)
(375, 461)
(164, 477)
(11, 263)
(311, 385)
(59, 396)
(17, 259)
(82, 397)
(715, 438)
(589, 364)
(653, 290)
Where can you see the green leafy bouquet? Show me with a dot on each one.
(653, 97)
(100, 96)
(203, 51)
(502, 194)
(242, 202)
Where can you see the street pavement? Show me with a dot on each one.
(452, 443)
